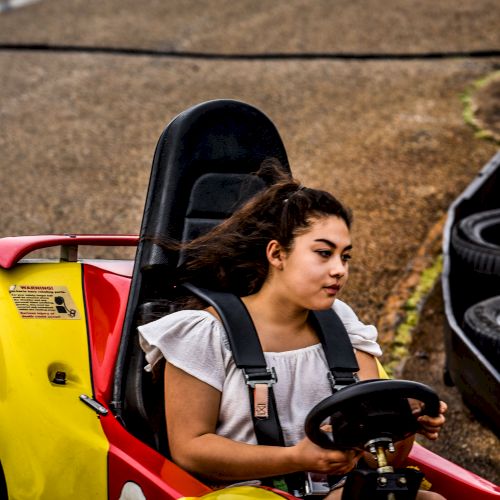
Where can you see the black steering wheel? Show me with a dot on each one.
(368, 410)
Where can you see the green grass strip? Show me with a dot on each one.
(466, 98)
(413, 306)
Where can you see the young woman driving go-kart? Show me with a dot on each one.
(285, 253)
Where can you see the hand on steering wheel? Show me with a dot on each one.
(370, 410)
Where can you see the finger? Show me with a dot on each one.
(416, 409)
(342, 456)
(431, 435)
(429, 429)
(430, 432)
(427, 420)
(342, 468)
(415, 404)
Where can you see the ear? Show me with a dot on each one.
(275, 254)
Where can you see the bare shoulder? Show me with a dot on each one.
(213, 312)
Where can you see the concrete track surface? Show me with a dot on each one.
(87, 86)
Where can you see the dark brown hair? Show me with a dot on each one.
(232, 256)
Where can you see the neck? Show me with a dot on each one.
(281, 325)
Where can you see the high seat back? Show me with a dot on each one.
(202, 171)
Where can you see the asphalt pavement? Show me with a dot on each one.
(365, 94)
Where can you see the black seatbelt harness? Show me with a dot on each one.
(249, 357)
(337, 347)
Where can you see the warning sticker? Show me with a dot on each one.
(44, 302)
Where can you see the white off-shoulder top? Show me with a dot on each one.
(196, 342)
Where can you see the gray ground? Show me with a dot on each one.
(78, 129)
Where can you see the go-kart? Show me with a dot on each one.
(79, 416)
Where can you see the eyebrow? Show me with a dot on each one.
(332, 244)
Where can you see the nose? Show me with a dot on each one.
(338, 269)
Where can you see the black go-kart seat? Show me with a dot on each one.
(202, 171)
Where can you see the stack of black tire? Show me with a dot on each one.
(476, 242)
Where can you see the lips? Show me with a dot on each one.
(332, 289)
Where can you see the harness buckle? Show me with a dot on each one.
(261, 383)
(268, 377)
(316, 484)
(343, 381)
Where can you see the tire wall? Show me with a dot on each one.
(477, 379)
(467, 286)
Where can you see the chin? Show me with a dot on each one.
(323, 305)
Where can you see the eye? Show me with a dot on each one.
(324, 253)
(346, 257)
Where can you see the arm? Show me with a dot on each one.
(368, 368)
(192, 408)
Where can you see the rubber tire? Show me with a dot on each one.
(482, 326)
(475, 239)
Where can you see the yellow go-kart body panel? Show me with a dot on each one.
(60, 450)
(239, 493)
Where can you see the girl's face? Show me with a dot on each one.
(314, 271)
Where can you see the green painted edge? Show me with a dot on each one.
(399, 349)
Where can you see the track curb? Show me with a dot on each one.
(402, 308)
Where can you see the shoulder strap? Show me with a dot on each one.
(337, 347)
(248, 355)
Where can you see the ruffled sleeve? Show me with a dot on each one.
(363, 337)
(191, 341)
